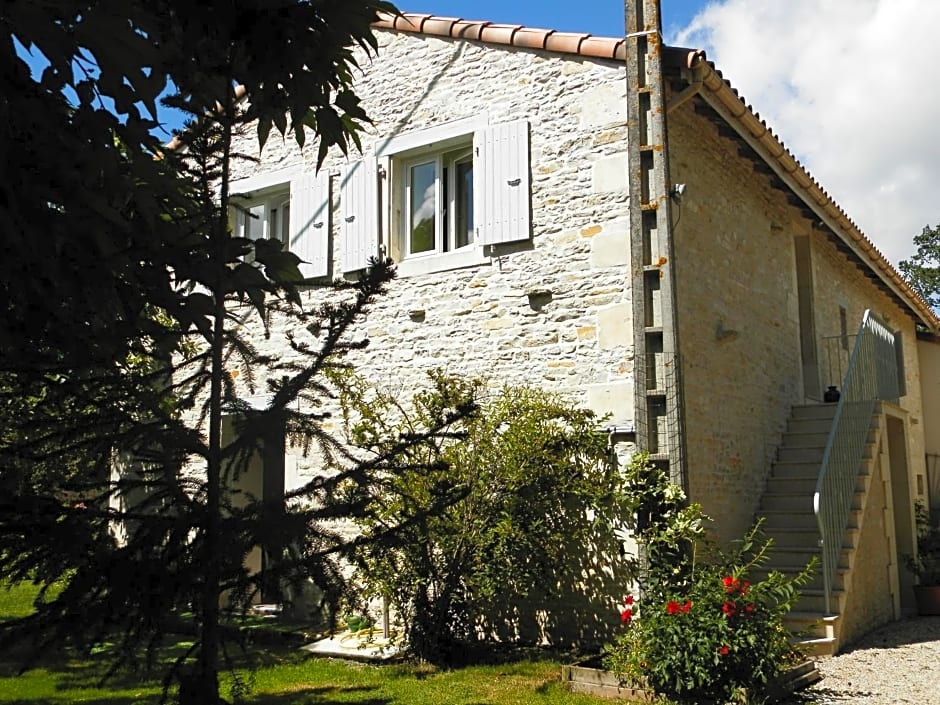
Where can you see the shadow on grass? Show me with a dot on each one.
(321, 696)
(303, 696)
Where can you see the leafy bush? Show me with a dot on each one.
(522, 493)
(926, 564)
(706, 627)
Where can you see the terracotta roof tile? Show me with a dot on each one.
(566, 42)
(439, 25)
(500, 33)
(531, 38)
(468, 30)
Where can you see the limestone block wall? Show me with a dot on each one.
(553, 312)
(872, 597)
(738, 319)
(928, 355)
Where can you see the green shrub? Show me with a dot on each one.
(706, 627)
(517, 496)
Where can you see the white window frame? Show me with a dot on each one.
(374, 195)
(296, 210)
(445, 213)
(401, 153)
(273, 205)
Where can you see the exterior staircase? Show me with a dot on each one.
(790, 520)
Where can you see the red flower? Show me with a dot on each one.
(626, 616)
(628, 600)
(744, 586)
(673, 607)
(729, 608)
(687, 606)
(748, 608)
(731, 583)
(723, 651)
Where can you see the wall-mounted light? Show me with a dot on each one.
(676, 192)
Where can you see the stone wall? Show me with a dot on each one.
(871, 597)
(554, 312)
(739, 318)
(928, 356)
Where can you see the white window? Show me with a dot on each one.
(436, 197)
(437, 207)
(267, 219)
(289, 207)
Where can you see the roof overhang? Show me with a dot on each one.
(704, 81)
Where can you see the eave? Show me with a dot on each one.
(705, 83)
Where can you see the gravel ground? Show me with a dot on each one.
(898, 663)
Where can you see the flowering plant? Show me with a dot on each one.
(708, 624)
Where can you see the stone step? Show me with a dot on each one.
(795, 680)
(814, 600)
(785, 518)
(805, 440)
(792, 502)
(815, 582)
(794, 538)
(820, 646)
(814, 411)
(809, 625)
(800, 455)
(809, 425)
(795, 469)
(795, 555)
(805, 486)
(807, 538)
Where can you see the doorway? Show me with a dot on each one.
(809, 354)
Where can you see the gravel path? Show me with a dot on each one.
(898, 663)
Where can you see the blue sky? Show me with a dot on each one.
(601, 17)
(860, 115)
(862, 119)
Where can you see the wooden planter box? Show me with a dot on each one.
(589, 676)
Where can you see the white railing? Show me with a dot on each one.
(874, 374)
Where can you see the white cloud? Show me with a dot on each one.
(850, 87)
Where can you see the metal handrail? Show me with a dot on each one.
(873, 375)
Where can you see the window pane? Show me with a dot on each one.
(282, 232)
(463, 183)
(254, 222)
(422, 207)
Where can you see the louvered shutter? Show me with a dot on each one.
(501, 183)
(310, 222)
(360, 241)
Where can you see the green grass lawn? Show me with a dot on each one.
(301, 680)
(286, 677)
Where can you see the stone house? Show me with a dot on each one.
(608, 219)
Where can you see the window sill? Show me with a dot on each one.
(417, 266)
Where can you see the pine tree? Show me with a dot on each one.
(120, 276)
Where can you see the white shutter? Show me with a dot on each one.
(310, 222)
(501, 183)
(360, 230)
